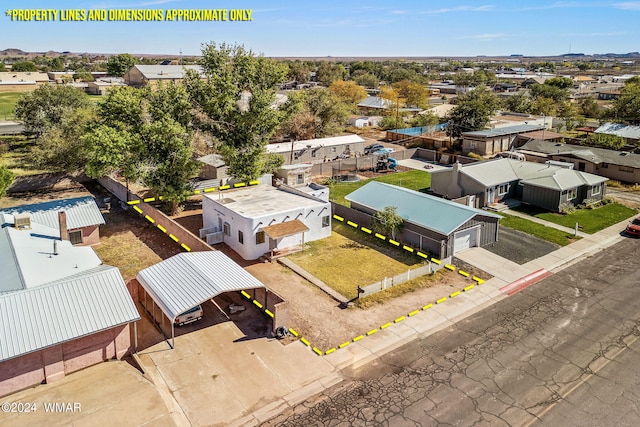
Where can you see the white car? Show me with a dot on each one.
(190, 316)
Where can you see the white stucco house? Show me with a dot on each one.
(263, 220)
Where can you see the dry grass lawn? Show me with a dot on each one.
(348, 259)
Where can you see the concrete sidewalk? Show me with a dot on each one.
(439, 316)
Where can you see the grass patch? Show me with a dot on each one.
(538, 230)
(117, 250)
(414, 180)
(349, 258)
(401, 289)
(16, 154)
(8, 104)
(591, 220)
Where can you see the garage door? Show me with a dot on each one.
(465, 239)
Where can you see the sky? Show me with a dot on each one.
(339, 28)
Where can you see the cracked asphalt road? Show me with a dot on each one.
(562, 352)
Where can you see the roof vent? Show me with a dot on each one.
(22, 221)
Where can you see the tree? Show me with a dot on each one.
(329, 72)
(118, 65)
(589, 108)
(56, 64)
(2, 67)
(388, 221)
(83, 75)
(44, 107)
(330, 111)
(472, 111)
(518, 103)
(556, 93)
(27, 66)
(234, 104)
(6, 179)
(367, 80)
(350, 92)
(414, 94)
(605, 140)
(425, 119)
(626, 109)
(568, 112)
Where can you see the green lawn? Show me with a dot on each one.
(7, 104)
(349, 258)
(414, 180)
(538, 230)
(16, 154)
(591, 220)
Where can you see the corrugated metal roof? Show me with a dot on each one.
(188, 279)
(60, 311)
(434, 213)
(624, 131)
(508, 130)
(376, 102)
(81, 212)
(9, 271)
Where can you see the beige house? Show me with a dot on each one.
(143, 75)
(489, 142)
(22, 81)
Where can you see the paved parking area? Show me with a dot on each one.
(520, 247)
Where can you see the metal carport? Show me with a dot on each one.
(188, 279)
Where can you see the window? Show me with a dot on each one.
(604, 165)
(326, 221)
(572, 194)
(240, 237)
(474, 145)
(259, 237)
(226, 228)
(333, 149)
(625, 169)
(503, 189)
(300, 179)
(595, 190)
(75, 237)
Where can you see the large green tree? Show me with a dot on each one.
(118, 65)
(472, 112)
(44, 107)
(24, 66)
(626, 109)
(235, 104)
(388, 221)
(6, 179)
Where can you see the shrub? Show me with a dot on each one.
(567, 208)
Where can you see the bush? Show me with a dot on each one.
(567, 208)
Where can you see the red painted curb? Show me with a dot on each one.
(525, 282)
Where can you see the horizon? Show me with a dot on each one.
(359, 30)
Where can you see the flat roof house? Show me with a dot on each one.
(545, 185)
(142, 75)
(77, 219)
(265, 220)
(432, 224)
(317, 150)
(488, 142)
(61, 309)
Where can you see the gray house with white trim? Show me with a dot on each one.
(545, 185)
(432, 224)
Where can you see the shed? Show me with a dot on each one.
(186, 280)
(439, 226)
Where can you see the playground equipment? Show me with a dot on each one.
(386, 163)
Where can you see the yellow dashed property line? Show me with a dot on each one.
(254, 182)
(224, 187)
(380, 236)
(161, 198)
(185, 247)
(268, 313)
(148, 218)
(358, 338)
(413, 313)
(479, 280)
(304, 341)
(174, 238)
(293, 332)
(393, 242)
(353, 224)
(257, 304)
(371, 332)
(239, 184)
(344, 344)
(133, 202)
(366, 230)
(209, 190)
(137, 209)
(427, 307)
(468, 288)
(161, 228)
(463, 273)
(331, 350)
(399, 319)
(338, 217)
(450, 267)
(420, 254)
(246, 295)
(196, 191)
(437, 261)
(441, 300)
(407, 248)
(455, 294)
(386, 325)
(149, 199)
(317, 351)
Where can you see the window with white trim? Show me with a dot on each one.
(240, 237)
(260, 237)
(595, 190)
(226, 228)
(75, 237)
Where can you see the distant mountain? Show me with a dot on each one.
(13, 52)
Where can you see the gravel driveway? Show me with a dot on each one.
(520, 247)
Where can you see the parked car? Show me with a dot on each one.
(633, 228)
(190, 316)
(373, 147)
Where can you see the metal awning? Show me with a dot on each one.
(285, 229)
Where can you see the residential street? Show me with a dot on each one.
(562, 352)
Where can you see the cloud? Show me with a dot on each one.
(484, 37)
(629, 5)
(461, 8)
(559, 5)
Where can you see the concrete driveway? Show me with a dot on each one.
(520, 247)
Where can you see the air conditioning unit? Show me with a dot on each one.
(22, 221)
